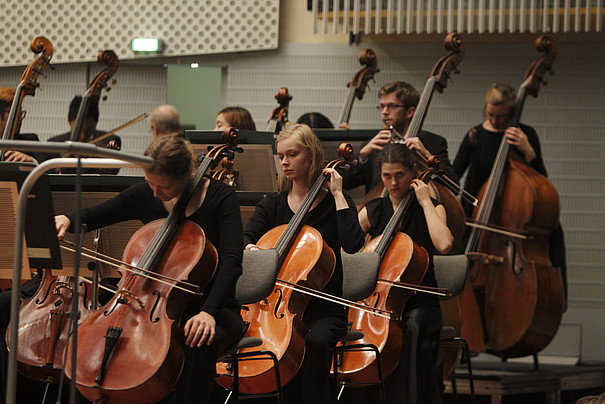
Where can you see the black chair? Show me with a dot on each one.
(360, 275)
(260, 268)
(451, 272)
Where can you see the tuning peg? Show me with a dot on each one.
(108, 89)
(114, 81)
(104, 98)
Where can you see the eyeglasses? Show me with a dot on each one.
(389, 107)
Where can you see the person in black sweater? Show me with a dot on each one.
(479, 148)
(418, 376)
(212, 323)
(88, 133)
(398, 101)
(334, 215)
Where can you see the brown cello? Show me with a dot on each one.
(515, 304)
(140, 357)
(306, 263)
(359, 82)
(403, 263)
(279, 116)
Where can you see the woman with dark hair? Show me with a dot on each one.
(315, 120)
(211, 323)
(334, 215)
(418, 376)
(234, 117)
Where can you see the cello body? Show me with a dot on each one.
(43, 326)
(147, 359)
(524, 295)
(277, 320)
(405, 261)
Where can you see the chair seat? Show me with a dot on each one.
(448, 332)
(352, 335)
(249, 342)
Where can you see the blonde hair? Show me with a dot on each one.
(501, 94)
(305, 137)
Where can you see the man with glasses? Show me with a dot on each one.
(6, 99)
(398, 101)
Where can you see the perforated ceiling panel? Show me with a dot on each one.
(79, 29)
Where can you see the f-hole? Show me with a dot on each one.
(157, 300)
(38, 301)
(280, 316)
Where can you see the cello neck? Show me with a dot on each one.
(295, 224)
(392, 226)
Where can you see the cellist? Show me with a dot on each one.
(418, 376)
(334, 215)
(480, 145)
(211, 323)
(234, 117)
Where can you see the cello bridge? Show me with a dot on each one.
(125, 294)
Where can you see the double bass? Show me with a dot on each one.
(514, 299)
(279, 116)
(359, 82)
(442, 186)
(132, 349)
(96, 86)
(27, 85)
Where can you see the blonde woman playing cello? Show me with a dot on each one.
(332, 214)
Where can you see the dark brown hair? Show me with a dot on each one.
(238, 117)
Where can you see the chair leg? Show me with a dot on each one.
(235, 387)
(466, 356)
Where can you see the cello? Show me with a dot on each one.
(403, 265)
(279, 116)
(168, 261)
(359, 82)
(514, 299)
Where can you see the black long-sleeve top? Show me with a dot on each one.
(337, 228)
(219, 216)
(380, 211)
(368, 172)
(478, 151)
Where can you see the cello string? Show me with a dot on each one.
(117, 263)
(137, 272)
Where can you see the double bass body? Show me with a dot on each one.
(523, 294)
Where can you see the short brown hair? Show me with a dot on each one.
(405, 92)
(172, 157)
